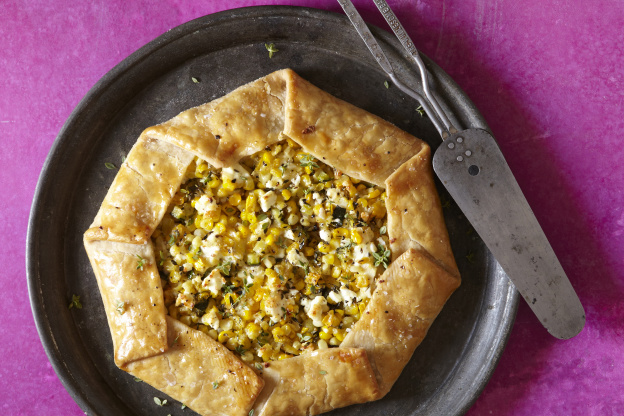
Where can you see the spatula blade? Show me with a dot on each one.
(474, 171)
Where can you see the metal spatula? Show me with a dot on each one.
(474, 171)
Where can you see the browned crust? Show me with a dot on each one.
(415, 218)
(317, 382)
(222, 132)
(132, 297)
(190, 368)
(408, 297)
(141, 192)
(348, 138)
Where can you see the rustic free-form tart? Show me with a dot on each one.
(275, 251)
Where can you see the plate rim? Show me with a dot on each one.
(46, 337)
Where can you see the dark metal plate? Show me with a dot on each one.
(224, 51)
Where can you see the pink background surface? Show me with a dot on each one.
(549, 80)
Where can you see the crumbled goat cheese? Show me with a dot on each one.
(211, 319)
(335, 297)
(213, 282)
(296, 258)
(267, 200)
(315, 309)
(206, 204)
(348, 296)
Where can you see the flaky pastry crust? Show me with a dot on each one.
(184, 362)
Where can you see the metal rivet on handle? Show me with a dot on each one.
(468, 153)
(460, 139)
(451, 145)
(460, 158)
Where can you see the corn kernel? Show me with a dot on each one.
(288, 329)
(260, 294)
(351, 310)
(250, 203)
(265, 353)
(214, 183)
(336, 272)
(325, 333)
(313, 278)
(270, 273)
(340, 232)
(228, 186)
(247, 315)
(279, 335)
(237, 322)
(206, 224)
(219, 229)
(322, 344)
(305, 180)
(243, 340)
(308, 251)
(374, 193)
(286, 194)
(334, 243)
(356, 236)
(224, 336)
(362, 306)
(243, 230)
(324, 248)
(249, 185)
(253, 330)
(198, 220)
(331, 319)
(231, 344)
(267, 158)
(291, 349)
(379, 209)
(234, 200)
(340, 334)
(200, 169)
(361, 281)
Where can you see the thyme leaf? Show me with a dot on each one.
(308, 160)
(75, 302)
(140, 262)
(160, 402)
(121, 307)
(382, 256)
(271, 48)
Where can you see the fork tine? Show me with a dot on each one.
(407, 43)
(428, 103)
(382, 60)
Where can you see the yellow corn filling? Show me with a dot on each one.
(274, 257)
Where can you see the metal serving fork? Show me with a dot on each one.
(474, 171)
